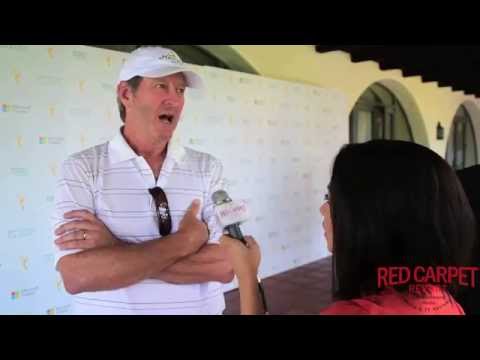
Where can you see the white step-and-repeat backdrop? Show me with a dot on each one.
(276, 139)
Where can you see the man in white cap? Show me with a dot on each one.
(135, 229)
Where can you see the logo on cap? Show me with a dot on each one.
(172, 57)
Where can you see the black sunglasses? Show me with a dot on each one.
(163, 212)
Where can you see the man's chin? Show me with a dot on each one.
(163, 137)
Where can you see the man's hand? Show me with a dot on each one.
(194, 230)
(87, 232)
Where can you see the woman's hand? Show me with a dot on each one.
(243, 259)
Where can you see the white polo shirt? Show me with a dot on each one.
(112, 181)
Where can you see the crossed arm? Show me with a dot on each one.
(106, 263)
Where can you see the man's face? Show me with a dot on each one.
(157, 104)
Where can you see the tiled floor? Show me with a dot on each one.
(304, 290)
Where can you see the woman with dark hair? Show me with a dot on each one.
(469, 298)
(390, 205)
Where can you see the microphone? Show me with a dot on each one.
(230, 214)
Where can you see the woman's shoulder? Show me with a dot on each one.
(346, 307)
(391, 302)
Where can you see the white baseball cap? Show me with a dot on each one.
(156, 61)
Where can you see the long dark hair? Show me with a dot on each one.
(469, 298)
(394, 203)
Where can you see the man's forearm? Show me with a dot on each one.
(119, 266)
(208, 264)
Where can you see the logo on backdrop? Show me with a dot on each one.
(51, 110)
(109, 88)
(17, 75)
(24, 261)
(53, 168)
(19, 233)
(57, 310)
(59, 284)
(49, 80)
(21, 201)
(18, 294)
(109, 115)
(19, 109)
(52, 140)
(79, 55)
(14, 47)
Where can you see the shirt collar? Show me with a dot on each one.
(119, 150)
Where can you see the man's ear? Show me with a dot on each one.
(124, 93)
